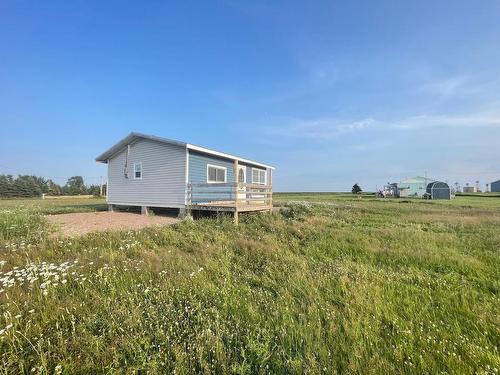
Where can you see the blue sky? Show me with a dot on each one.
(331, 93)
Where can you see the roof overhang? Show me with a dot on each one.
(134, 137)
(226, 156)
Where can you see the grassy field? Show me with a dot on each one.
(331, 284)
(476, 200)
(55, 205)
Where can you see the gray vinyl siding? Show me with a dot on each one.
(249, 173)
(198, 167)
(163, 182)
(198, 163)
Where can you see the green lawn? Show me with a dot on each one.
(330, 284)
(55, 205)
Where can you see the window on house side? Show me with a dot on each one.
(137, 171)
(216, 174)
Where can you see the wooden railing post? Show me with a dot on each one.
(270, 189)
(236, 183)
(189, 198)
(189, 193)
(271, 197)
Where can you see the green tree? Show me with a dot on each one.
(6, 185)
(53, 188)
(75, 186)
(27, 186)
(94, 190)
(356, 189)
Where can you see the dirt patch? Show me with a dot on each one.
(81, 223)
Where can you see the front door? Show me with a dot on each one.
(242, 179)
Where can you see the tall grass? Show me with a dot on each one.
(20, 224)
(335, 287)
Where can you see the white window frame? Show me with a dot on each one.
(216, 167)
(135, 170)
(265, 176)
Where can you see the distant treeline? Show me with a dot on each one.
(34, 186)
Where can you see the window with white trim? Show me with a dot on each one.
(258, 176)
(216, 174)
(137, 171)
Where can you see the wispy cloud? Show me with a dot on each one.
(466, 121)
(461, 86)
(325, 129)
(322, 129)
(447, 87)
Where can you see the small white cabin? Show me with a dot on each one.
(149, 171)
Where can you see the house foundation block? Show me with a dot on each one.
(183, 213)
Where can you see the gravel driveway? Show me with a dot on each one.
(81, 223)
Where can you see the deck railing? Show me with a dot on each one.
(236, 195)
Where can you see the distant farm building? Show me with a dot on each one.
(414, 187)
(390, 190)
(495, 186)
(469, 189)
(438, 190)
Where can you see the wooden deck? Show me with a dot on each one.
(235, 198)
(230, 206)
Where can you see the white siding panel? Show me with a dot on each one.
(163, 182)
